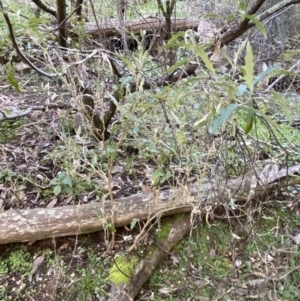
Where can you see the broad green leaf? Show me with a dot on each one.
(248, 69)
(258, 24)
(110, 227)
(57, 190)
(262, 115)
(67, 181)
(224, 115)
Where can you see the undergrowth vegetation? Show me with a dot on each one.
(221, 123)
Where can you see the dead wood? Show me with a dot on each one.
(112, 28)
(144, 266)
(41, 223)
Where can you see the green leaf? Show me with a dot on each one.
(156, 176)
(10, 76)
(165, 177)
(243, 6)
(248, 69)
(250, 117)
(226, 56)
(258, 24)
(239, 51)
(175, 37)
(177, 65)
(204, 57)
(133, 223)
(281, 72)
(54, 181)
(57, 190)
(61, 175)
(264, 74)
(224, 115)
(67, 181)
(37, 21)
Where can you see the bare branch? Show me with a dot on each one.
(45, 7)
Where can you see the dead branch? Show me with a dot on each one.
(45, 7)
(237, 30)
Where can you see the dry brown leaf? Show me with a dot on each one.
(52, 203)
(64, 246)
(35, 265)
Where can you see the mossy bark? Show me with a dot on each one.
(138, 269)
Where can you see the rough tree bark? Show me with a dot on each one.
(41, 223)
(61, 20)
(78, 11)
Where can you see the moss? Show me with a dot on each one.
(162, 234)
(122, 269)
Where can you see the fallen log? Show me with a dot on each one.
(131, 271)
(112, 28)
(41, 223)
